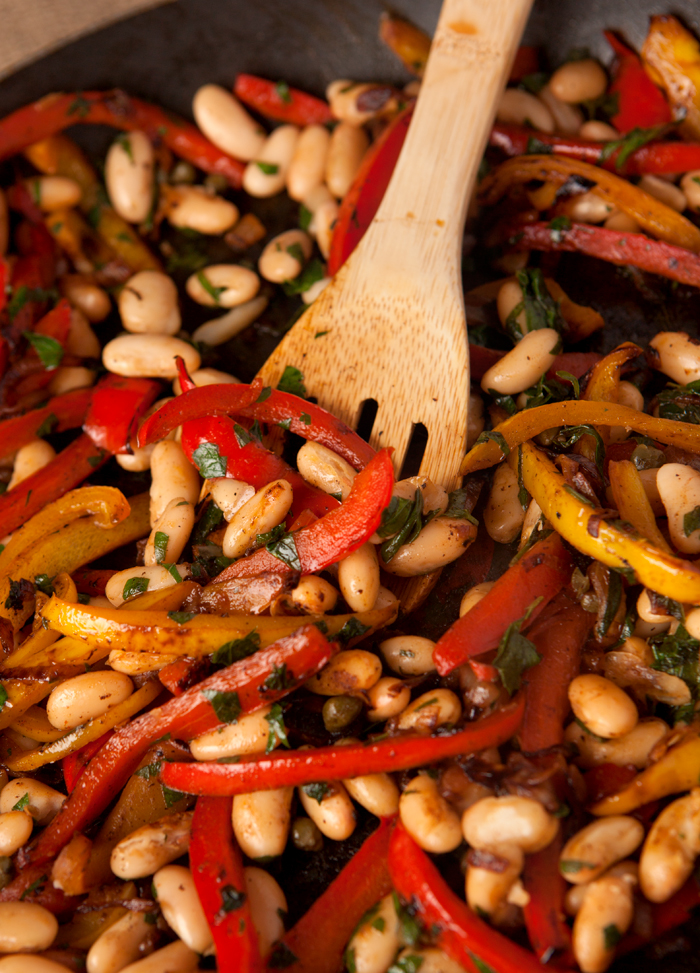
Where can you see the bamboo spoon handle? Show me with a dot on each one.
(470, 57)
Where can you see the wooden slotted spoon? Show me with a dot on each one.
(391, 325)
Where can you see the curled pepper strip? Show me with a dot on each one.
(183, 717)
(217, 871)
(632, 502)
(613, 246)
(640, 104)
(529, 423)
(580, 524)
(317, 942)
(266, 772)
(652, 215)
(59, 414)
(277, 100)
(604, 382)
(116, 405)
(450, 922)
(540, 574)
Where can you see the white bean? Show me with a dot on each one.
(567, 119)
(589, 208)
(250, 734)
(322, 224)
(267, 904)
(440, 542)
(26, 927)
(314, 595)
(129, 175)
(504, 514)
(509, 296)
(671, 847)
(156, 576)
(92, 300)
(434, 496)
(358, 578)
(119, 945)
(440, 707)
(621, 222)
(222, 285)
(176, 957)
(207, 376)
(54, 192)
(486, 889)
(632, 748)
(665, 191)
(377, 793)
(229, 495)
(174, 527)
(350, 671)
(86, 696)
(520, 107)
(606, 710)
(387, 698)
(598, 131)
(690, 184)
(31, 458)
(331, 811)
(222, 329)
(607, 906)
(430, 960)
(37, 799)
(308, 165)
(323, 468)
(678, 355)
(409, 655)
(578, 81)
(266, 509)
(511, 820)
(24, 963)
(148, 355)
(261, 821)
(152, 846)
(69, 377)
(15, 830)
(148, 304)
(226, 123)
(196, 208)
(346, 99)
(82, 340)
(474, 596)
(318, 287)
(679, 488)
(172, 475)
(376, 941)
(523, 366)
(428, 818)
(266, 174)
(347, 147)
(593, 849)
(182, 910)
(284, 256)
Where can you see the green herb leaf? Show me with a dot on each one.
(480, 965)
(410, 926)
(181, 617)
(285, 424)
(47, 426)
(457, 507)
(406, 964)
(515, 654)
(534, 83)
(173, 571)
(213, 292)
(279, 680)
(352, 629)
(305, 217)
(349, 957)
(171, 797)
(294, 250)
(630, 143)
(209, 460)
(24, 295)
(536, 146)
(80, 106)
(160, 545)
(681, 402)
(20, 591)
(541, 310)
(265, 393)
(677, 654)
(211, 518)
(96, 460)
(557, 227)
(3, 697)
(305, 418)
(124, 141)
(231, 899)
(43, 583)
(268, 168)
(281, 957)
(133, 587)
(285, 549)
(292, 381)
(243, 437)
(227, 706)
(49, 350)
(691, 521)
(497, 437)
(403, 519)
(278, 731)
(574, 382)
(283, 93)
(21, 803)
(570, 866)
(611, 936)
(236, 650)
(149, 771)
(317, 791)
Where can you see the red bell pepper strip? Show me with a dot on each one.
(92, 581)
(54, 113)
(75, 763)
(545, 919)
(260, 402)
(74, 464)
(4, 355)
(527, 61)
(116, 406)
(55, 324)
(291, 660)
(317, 942)
(362, 200)
(265, 772)
(606, 779)
(540, 573)
(63, 412)
(449, 920)
(33, 884)
(640, 104)
(20, 199)
(676, 911)
(180, 675)
(336, 535)
(621, 249)
(277, 100)
(217, 870)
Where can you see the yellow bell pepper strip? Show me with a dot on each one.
(88, 252)
(408, 42)
(604, 382)
(671, 56)
(651, 214)
(35, 645)
(155, 632)
(677, 771)
(632, 502)
(581, 525)
(529, 423)
(21, 696)
(29, 760)
(35, 725)
(582, 321)
(54, 540)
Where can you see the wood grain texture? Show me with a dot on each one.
(394, 314)
(32, 29)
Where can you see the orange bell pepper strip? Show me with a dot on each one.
(671, 56)
(653, 216)
(242, 687)
(265, 772)
(316, 943)
(541, 573)
(529, 423)
(632, 502)
(604, 382)
(60, 413)
(408, 42)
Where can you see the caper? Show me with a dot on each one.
(183, 172)
(340, 711)
(306, 836)
(217, 182)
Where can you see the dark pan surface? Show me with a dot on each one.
(165, 54)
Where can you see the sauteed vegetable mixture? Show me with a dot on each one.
(214, 669)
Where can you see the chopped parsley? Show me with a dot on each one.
(209, 460)
(630, 143)
(541, 310)
(278, 731)
(691, 521)
(516, 653)
(317, 791)
(268, 168)
(49, 350)
(181, 617)
(160, 546)
(292, 381)
(283, 93)
(353, 629)
(231, 899)
(237, 649)
(47, 426)
(213, 291)
(227, 706)
(278, 680)
(22, 802)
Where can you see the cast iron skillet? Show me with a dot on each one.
(166, 53)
